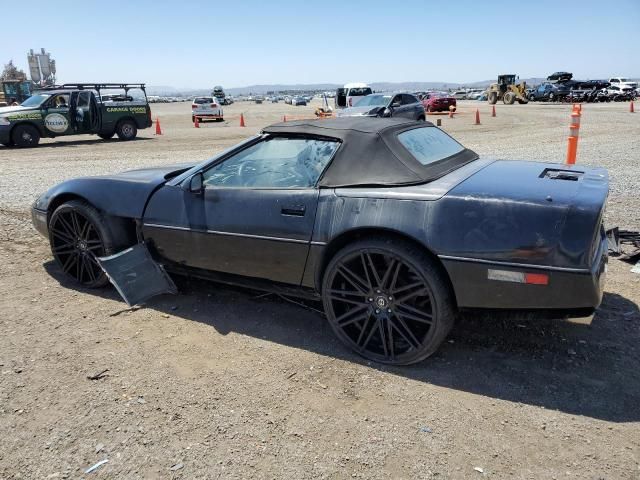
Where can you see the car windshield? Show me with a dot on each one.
(359, 92)
(35, 100)
(429, 144)
(203, 100)
(373, 101)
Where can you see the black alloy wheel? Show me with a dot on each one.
(76, 239)
(387, 300)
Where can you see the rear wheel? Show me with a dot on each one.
(552, 97)
(78, 234)
(25, 136)
(387, 300)
(126, 130)
(492, 98)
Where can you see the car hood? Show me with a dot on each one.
(5, 110)
(122, 194)
(356, 111)
(150, 174)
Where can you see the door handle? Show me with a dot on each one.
(293, 210)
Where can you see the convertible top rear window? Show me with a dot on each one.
(429, 144)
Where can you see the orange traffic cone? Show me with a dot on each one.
(631, 110)
(477, 117)
(158, 129)
(241, 120)
(493, 110)
(196, 122)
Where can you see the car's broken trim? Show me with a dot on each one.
(514, 264)
(233, 234)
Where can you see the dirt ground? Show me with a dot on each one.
(219, 382)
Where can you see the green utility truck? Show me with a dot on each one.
(76, 109)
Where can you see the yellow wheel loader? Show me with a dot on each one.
(507, 90)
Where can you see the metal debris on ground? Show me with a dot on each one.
(136, 275)
(97, 465)
(177, 466)
(618, 239)
(98, 375)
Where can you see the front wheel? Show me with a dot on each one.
(388, 300)
(78, 234)
(509, 98)
(127, 130)
(25, 136)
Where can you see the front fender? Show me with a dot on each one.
(115, 198)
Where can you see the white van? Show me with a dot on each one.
(622, 82)
(348, 95)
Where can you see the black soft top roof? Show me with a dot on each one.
(370, 153)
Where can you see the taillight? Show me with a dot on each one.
(351, 102)
(213, 105)
(194, 106)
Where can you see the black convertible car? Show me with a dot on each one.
(394, 224)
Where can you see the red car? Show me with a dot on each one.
(437, 101)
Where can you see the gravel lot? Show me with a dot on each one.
(226, 383)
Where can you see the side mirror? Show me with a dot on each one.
(386, 112)
(395, 104)
(196, 183)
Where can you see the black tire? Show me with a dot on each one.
(509, 98)
(219, 119)
(421, 118)
(552, 97)
(388, 300)
(78, 233)
(127, 130)
(492, 98)
(25, 136)
(106, 136)
(193, 119)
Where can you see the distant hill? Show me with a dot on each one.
(314, 87)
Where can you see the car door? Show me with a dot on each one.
(80, 111)
(56, 115)
(253, 216)
(396, 106)
(414, 108)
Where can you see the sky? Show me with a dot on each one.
(198, 44)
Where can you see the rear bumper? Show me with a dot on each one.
(207, 115)
(568, 289)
